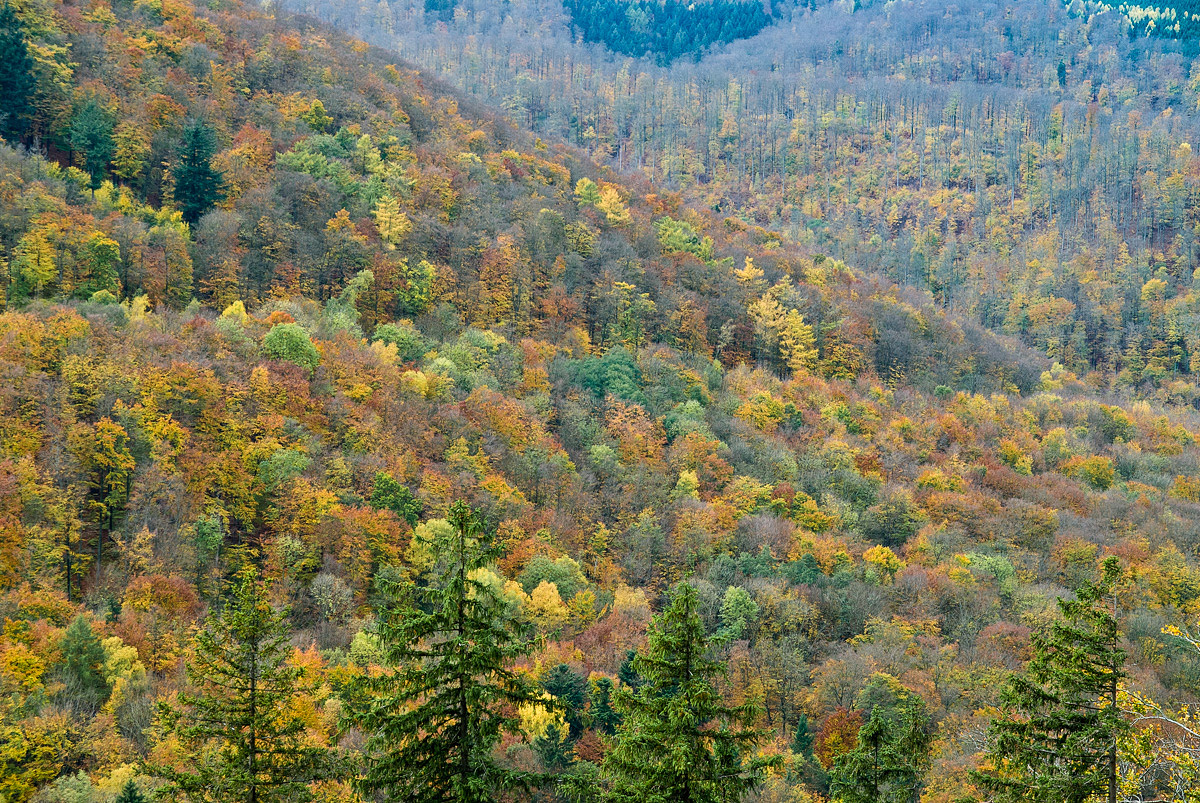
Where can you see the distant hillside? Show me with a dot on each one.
(1031, 164)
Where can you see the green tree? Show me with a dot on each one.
(435, 717)
(891, 758)
(82, 667)
(130, 794)
(389, 494)
(244, 742)
(604, 717)
(92, 139)
(679, 741)
(290, 343)
(101, 258)
(570, 689)
(316, 117)
(17, 80)
(1056, 738)
(197, 184)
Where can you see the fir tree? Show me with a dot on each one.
(92, 139)
(604, 717)
(1057, 736)
(802, 741)
(82, 665)
(891, 758)
(16, 76)
(433, 721)
(197, 184)
(395, 496)
(130, 794)
(679, 741)
(244, 743)
(570, 689)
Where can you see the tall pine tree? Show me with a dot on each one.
(679, 741)
(242, 740)
(1057, 736)
(198, 185)
(433, 720)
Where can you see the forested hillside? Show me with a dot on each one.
(354, 444)
(1031, 164)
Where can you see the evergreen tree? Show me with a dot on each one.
(802, 741)
(92, 139)
(197, 184)
(891, 758)
(604, 717)
(1057, 736)
(553, 749)
(16, 76)
(82, 665)
(433, 721)
(244, 742)
(679, 741)
(570, 689)
(130, 794)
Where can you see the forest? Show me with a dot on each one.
(1030, 164)
(667, 29)
(360, 441)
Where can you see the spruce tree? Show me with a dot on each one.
(82, 666)
(92, 139)
(16, 76)
(243, 742)
(1057, 736)
(679, 741)
(130, 794)
(197, 184)
(604, 717)
(433, 720)
(891, 758)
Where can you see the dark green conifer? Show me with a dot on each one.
(433, 720)
(92, 139)
(130, 794)
(892, 756)
(16, 76)
(395, 496)
(679, 741)
(82, 666)
(197, 184)
(1057, 736)
(243, 742)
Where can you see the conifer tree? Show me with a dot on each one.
(891, 758)
(92, 139)
(604, 717)
(433, 720)
(198, 185)
(16, 75)
(130, 794)
(1057, 736)
(244, 743)
(679, 741)
(82, 665)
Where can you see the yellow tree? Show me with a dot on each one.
(797, 345)
(33, 261)
(393, 225)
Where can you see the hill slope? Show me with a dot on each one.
(396, 303)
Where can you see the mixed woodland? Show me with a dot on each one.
(357, 443)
